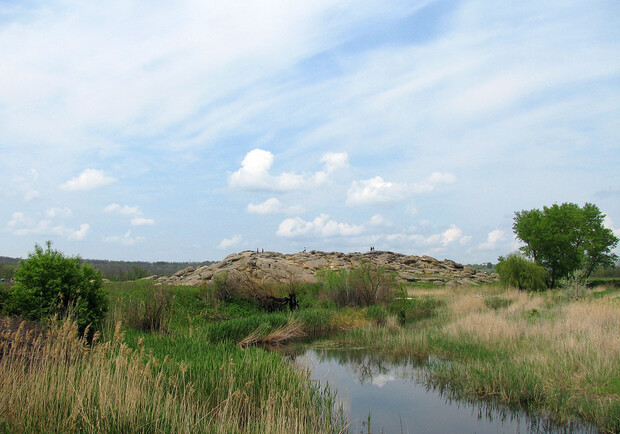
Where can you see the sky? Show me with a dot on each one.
(189, 130)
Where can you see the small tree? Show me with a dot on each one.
(565, 238)
(515, 270)
(49, 283)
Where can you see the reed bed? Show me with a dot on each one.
(57, 382)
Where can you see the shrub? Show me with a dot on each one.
(365, 285)
(575, 286)
(49, 283)
(515, 270)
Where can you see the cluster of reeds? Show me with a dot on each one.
(56, 381)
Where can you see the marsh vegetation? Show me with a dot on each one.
(190, 359)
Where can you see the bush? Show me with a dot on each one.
(515, 270)
(575, 286)
(49, 283)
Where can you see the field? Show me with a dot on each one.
(180, 359)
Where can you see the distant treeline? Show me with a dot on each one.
(115, 270)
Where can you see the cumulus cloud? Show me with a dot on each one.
(378, 191)
(451, 235)
(227, 243)
(272, 206)
(130, 211)
(375, 191)
(78, 234)
(254, 173)
(493, 238)
(88, 180)
(321, 226)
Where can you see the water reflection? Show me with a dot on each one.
(393, 391)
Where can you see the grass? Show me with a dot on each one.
(59, 383)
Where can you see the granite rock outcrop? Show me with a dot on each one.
(274, 267)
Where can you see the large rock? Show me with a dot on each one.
(274, 267)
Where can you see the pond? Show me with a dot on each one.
(388, 395)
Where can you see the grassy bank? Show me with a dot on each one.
(185, 374)
(541, 351)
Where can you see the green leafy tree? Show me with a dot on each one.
(565, 238)
(50, 283)
(516, 270)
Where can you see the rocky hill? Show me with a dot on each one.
(273, 267)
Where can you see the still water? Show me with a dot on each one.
(394, 394)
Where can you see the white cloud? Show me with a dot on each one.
(141, 221)
(608, 223)
(23, 184)
(58, 212)
(130, 211)
(78, 234)
(254, 173)
(125, 239)
(124, 210)
(321, 226)
(335, 160)
(16, 219)
(434, 180)
(493, 238)
(375, 191)
(227, 243)
(378, 191)
(452, 235)
(272, 206)
(377, 220)
(88, 180)
(21, 225)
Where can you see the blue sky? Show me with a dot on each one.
(188, 130)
